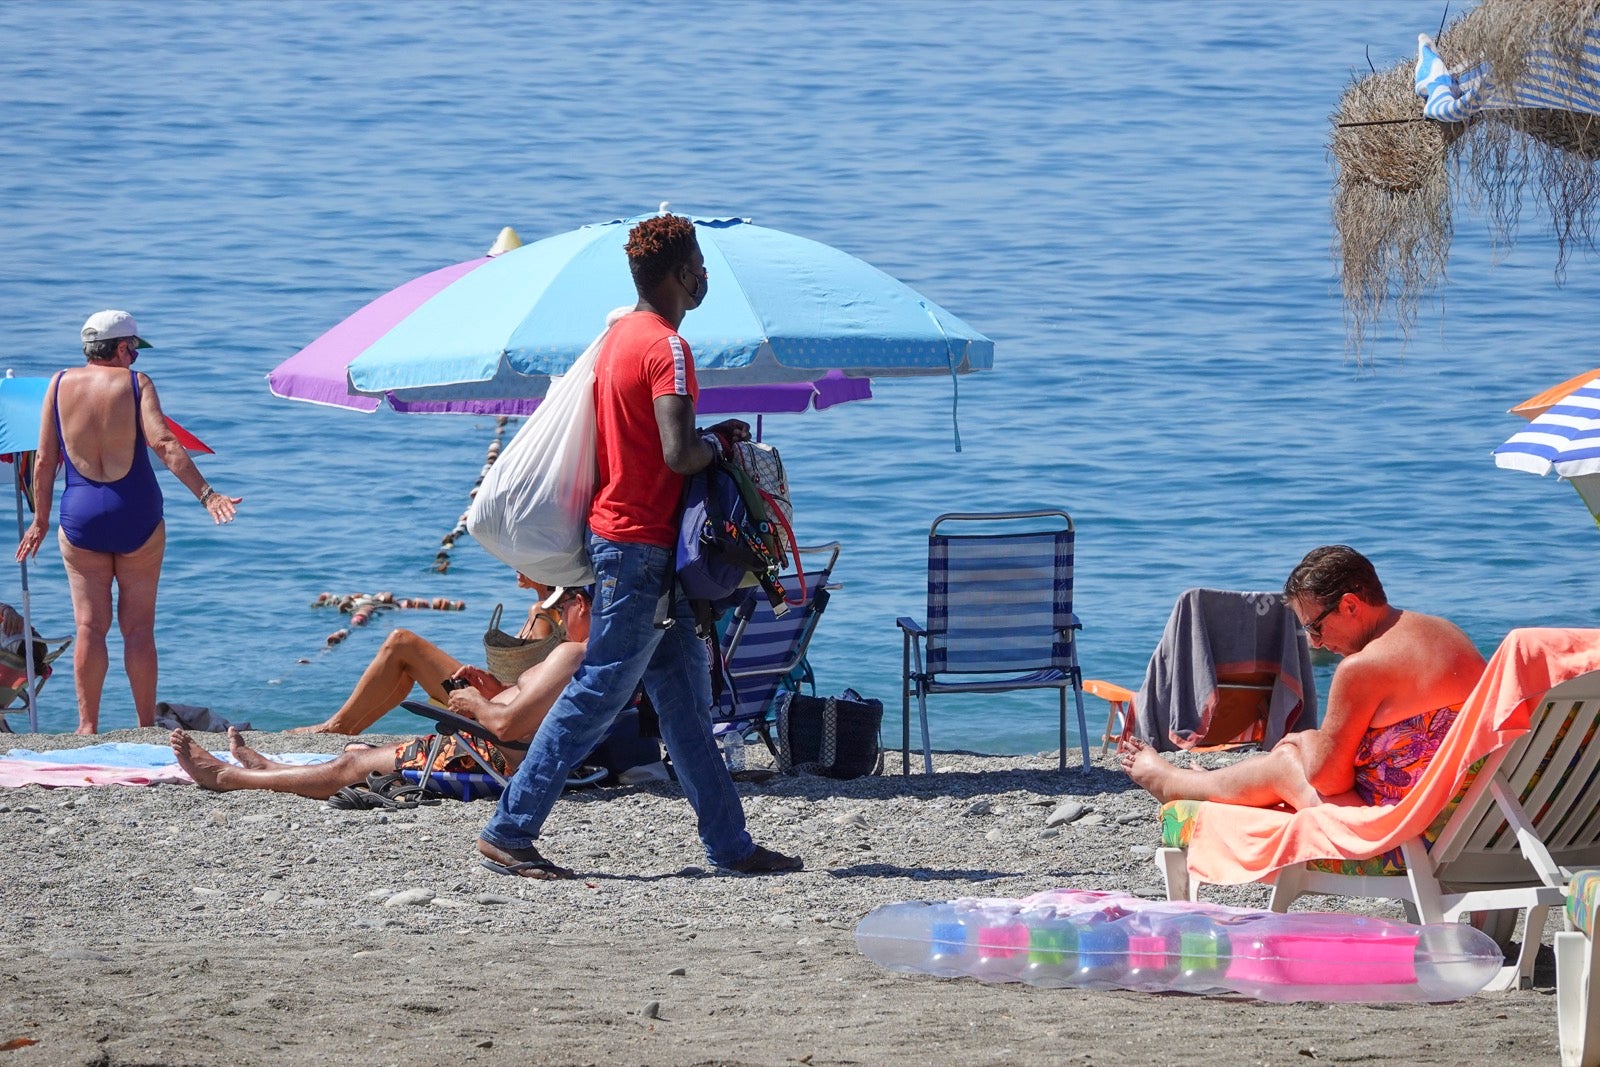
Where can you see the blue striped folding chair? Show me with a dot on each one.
(485, 783)
(999, 617)
(764, 656)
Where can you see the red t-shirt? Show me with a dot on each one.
(641, 358)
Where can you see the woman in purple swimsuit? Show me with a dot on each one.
(97, 421)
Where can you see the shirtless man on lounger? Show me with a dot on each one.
(512, 713)
(1403, 678)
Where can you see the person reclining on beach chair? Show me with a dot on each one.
(406, 659)
(1403, 678)
(512, 713)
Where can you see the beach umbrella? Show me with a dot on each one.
(319, 374)
(783, 310)
(1564, 437)
(21, 406)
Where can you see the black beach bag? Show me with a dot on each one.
(832, 736)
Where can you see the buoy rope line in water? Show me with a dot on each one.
(362, 606)
(441, 561)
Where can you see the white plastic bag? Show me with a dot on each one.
(532, 510)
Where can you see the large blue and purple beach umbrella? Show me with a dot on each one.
(789, 323)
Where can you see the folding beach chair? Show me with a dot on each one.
(485, 783)
(14, 693)
(1523, 820)
(999, 613)
(764, 656)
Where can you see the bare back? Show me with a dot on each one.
(98, 420)
(1420, 664)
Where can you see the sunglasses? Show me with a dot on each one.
(1314, 627)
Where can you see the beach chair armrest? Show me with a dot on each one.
(450, 722)
(912, 627)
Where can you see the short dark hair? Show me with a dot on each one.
(104, 350)
(1329, 572)
(656, 247)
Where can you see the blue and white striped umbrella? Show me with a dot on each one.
(1546, 83)
(1565, 439)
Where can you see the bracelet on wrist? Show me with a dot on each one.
(206, 494)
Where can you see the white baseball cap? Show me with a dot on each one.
(111, 325)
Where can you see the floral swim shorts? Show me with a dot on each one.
(453, 755)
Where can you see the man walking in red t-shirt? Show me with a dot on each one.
(644, 392)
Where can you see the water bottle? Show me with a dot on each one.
(733, 750)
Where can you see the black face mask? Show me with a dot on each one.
(702, 285)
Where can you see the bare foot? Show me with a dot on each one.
(207, 771)
(247, 756)
(521, 863)
(87, 728)
(1145, 766)
(319, 728)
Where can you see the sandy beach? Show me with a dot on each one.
(168, 925)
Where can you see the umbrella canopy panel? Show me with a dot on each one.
(21, 408)
(781, 308)
(1565, 439)
(1540, 403)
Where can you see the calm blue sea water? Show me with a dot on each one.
(1131, 199)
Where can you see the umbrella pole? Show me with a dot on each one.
(27, 621)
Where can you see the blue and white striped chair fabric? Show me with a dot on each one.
(999, 605)
(485, 783)
(763, 654)
(458, 785)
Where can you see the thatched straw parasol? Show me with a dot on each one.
(1391, 203)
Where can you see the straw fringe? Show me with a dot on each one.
(1391, 201)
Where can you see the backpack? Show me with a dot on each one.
(764, 467)
(730, 537)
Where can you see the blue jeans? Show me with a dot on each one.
(625, 650)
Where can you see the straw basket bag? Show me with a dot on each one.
(506, 656)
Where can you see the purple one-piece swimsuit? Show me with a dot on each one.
(117, 516)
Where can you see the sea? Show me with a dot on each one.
(1131, 199)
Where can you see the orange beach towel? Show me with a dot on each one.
(1234, 844)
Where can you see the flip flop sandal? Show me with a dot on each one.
(531, 861)
(356, 798)
(397, 792)
(585, 776)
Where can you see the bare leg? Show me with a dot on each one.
(247, 756)
(138, 574)
(318, 780)
(1276, 777)
(403, 660)
(89, 577)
